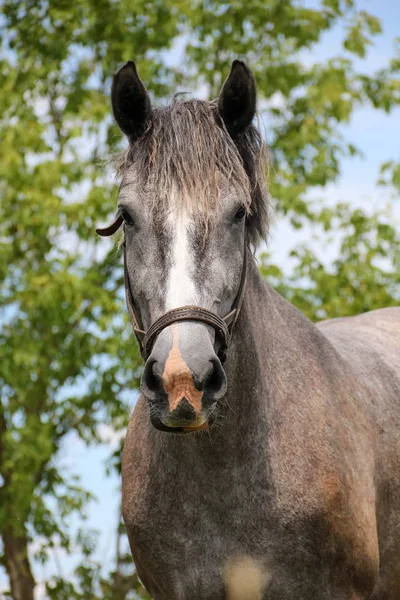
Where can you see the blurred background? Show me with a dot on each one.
(328, 75)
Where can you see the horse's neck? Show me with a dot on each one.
(273, 349)
(272, 340)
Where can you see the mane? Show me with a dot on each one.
(187, 152)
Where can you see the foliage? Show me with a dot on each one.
(66, 350)
(363, 277)
(91, 584)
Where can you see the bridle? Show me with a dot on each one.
(222, 326)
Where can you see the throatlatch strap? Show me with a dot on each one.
(138, 331)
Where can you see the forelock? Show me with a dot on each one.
(187, 153)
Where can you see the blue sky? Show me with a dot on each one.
(377, 135)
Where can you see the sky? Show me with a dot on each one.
(377, 135)
(372, 131)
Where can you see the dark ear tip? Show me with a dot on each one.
(128, 66)
(239, 70)
(240, 65)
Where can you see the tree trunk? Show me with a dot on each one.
(17, 565)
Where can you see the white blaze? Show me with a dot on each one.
(180, 287)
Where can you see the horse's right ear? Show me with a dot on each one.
(130, 101)
(237, 100)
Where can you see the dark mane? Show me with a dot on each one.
(187, 150)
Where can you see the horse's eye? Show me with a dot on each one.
(126, 217)
(240, 214)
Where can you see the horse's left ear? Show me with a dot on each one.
(130, 101)
(237, 100)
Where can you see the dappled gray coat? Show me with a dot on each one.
(283, 483)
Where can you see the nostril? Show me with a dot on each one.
(151, 380)
(214, 384)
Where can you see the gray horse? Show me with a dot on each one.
(261, 440)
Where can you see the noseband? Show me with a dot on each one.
(222, 326)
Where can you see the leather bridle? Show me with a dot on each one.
(222, 326)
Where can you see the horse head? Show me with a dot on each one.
(191, 200)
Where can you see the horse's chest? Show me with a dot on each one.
(187, 510)
(186, 530)
(178, 506)
(188, 517)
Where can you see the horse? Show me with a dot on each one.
(259, 438)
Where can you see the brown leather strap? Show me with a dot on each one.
(223, 327)
(138, 331)
(106, 231)
(187, 313)
(232, 316)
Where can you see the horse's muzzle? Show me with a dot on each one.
(179, 398)
(182, 419)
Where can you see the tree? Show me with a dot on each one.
(66, 353)
(66, 350)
